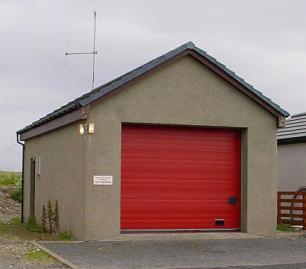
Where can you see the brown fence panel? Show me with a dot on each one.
(291, 208)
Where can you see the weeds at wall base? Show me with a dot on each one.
(285, 228)
(64, 236)
(32, 226)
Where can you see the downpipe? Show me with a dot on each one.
(22, 175)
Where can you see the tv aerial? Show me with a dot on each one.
(93, 52)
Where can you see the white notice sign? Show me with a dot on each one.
(103, 180)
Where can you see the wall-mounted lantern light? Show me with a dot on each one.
(82, 128)
(87, 128)
(91, 128)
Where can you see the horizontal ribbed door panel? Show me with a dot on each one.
(179, 177)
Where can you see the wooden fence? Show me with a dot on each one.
(291, 208)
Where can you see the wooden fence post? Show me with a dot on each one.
(278, 208)
(296, 208)
(304, 212)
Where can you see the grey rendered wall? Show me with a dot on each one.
(62, 174)
(291, 166)
(181, 93)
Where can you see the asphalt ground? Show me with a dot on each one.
(261, 253)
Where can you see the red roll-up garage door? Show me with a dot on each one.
(180, 178)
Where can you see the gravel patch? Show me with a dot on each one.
(13, 253)
(14, 250)
(8, 207)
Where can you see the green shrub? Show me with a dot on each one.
(44, 219)
(56, 216)
(50, 217)
(9, 178)
(16, 194)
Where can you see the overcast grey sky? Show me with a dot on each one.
(263, 41)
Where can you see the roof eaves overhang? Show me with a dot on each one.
(291, 140)
(71, 117)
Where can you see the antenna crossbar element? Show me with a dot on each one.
(93, 52)
(79, 53)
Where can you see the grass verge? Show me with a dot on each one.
(38, 255)
(6, 227)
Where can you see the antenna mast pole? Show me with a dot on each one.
(93, 53)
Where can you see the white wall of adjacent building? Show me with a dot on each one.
(291, 166)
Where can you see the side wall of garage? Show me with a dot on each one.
(291, 166)
(181, 93)
(61, 153)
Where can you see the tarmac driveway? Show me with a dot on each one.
(195, 253)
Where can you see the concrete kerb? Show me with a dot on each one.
(183, 236)
(170, 236)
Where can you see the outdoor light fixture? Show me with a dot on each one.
(82, 128)
(91, 128)
(87, 128)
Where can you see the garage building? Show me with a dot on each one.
(181, 143)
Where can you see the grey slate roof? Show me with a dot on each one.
(119, 81)
(294, 130)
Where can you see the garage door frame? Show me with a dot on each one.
(243, 177)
